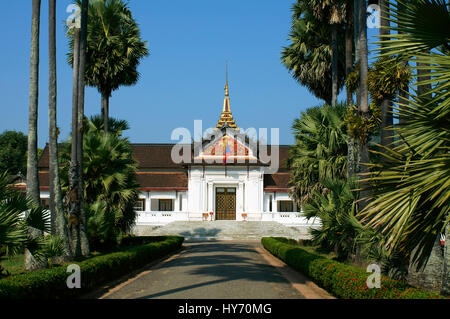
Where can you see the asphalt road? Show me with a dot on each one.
(210, 270)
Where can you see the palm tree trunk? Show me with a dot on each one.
(445, 290)
(74, 200)
(363, 89)
(81, 89)
(403, 96)
(105, 110)
(334, 64)
(59, 226)
(348, 70)
(356, 5)
(32, 169)
(387, 136)
(30, 262)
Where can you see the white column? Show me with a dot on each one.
(210, 197)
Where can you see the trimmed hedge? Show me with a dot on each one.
(140, 240)
(341, 280)
(51, 283)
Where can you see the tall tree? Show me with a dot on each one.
(32, 170)
(59, 225)
(309, 55)
(363, 88)
(387, 136)
(114, 49)
(349, 31)
(332, 12)
(81, 123)
(77, 220)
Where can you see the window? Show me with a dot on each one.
(165, 205)
(181, 202)
(140, 205)
(286, 206)
(45, 203)
(270, 203)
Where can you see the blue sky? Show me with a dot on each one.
(183, 78)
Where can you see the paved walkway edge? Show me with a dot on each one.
(299, 281)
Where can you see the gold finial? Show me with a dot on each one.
(227, 93)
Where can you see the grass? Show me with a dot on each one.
(13, 264)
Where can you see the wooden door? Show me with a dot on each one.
(225, 203)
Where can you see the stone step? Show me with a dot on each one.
(224, 230)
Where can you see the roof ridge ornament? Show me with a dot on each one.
(226, 118)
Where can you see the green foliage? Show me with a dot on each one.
(17, 214)
(110, 185)
(51, 283)
(362, 125)
(410, 201)
(387, 77)
(336, 208)
(353, 79)
(114, 46)
(343, 281)
(308, 56)
(320, 151)
(13, 149)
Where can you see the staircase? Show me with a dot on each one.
(224, 230)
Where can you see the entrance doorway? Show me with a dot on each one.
(225, 203)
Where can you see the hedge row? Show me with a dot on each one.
(51, 283)
(341, 280)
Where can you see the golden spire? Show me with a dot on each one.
(227, 93)
(226, 118)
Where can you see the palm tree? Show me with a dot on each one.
(114, 49)
(411, 201)
(15, 228)
(110, 187)
(59, 225)
(363, 88)
(76, 221)
(32, 169)
(309, 56)
(333, 12)
(336, 210)
(387, 137)
(320, 151)
(84, 241)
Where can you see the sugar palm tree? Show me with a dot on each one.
(309, 56)
(114, 49)
(334, 13)
(59, 224)
(411, 203)
(32, 169)
(320, 151)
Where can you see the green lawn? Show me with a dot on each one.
(14, 264)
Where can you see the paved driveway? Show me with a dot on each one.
(218, 269)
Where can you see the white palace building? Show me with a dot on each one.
(225, 177)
